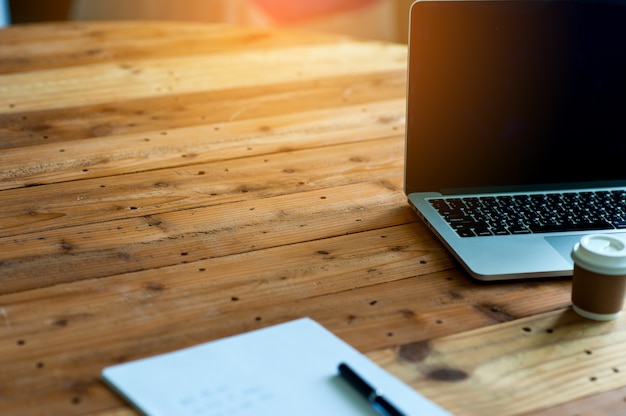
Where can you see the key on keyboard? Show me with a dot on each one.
(534, 213)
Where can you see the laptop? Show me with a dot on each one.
(516, 129)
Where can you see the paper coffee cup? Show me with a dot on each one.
(599, 281)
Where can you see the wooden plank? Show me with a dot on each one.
(146, 116)
(154, 77)
(58, 45)
(517, 367)
(337, 281)
(207, 184)
(610, 403)
(69, 161)
(153, 241)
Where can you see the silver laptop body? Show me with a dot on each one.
(511, 101)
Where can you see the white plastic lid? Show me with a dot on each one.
(601, 253)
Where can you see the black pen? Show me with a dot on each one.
(373, 396)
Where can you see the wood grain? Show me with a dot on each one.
(167, 184)
(337, 281)
(67, 44)
(215, 107)
(517, 367)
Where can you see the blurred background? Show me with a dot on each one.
(385, 20)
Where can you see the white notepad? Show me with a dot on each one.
(287, 369)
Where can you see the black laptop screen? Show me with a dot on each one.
(516, 93)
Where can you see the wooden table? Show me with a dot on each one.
(165, 184)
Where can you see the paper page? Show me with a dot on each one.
(287, 369)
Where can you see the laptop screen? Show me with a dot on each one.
(515, 94)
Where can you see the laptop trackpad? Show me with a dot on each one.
(564, 244)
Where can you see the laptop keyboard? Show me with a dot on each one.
(534, 213)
